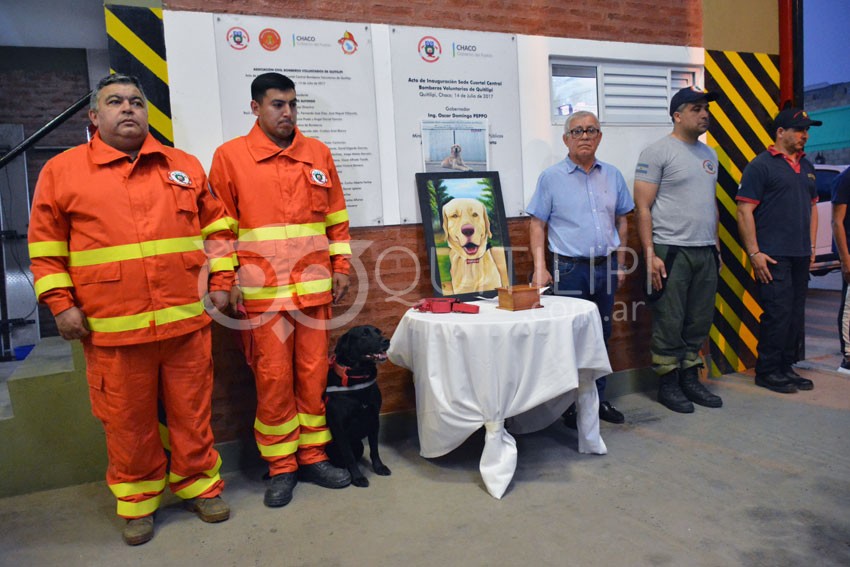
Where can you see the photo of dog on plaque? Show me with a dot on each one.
(454, 145)
(466, 233)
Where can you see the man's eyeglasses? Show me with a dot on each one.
(579, 132)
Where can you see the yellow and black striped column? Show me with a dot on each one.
(137, 47)
(748, 84)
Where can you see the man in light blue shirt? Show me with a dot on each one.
(584, 202)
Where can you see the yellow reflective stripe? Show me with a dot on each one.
(224, 223)
(221, 264)
(281, 232)
(48, 248)
(339, 248)
(235, 260)
(284, 429)
(139, 509)
(301, 288)
(278, 449)
(172, 477)
(314, 286)
(135, 251)
(317, 438)
(52, 282)
(312, 420)
(197, 488)
(336, 218)
(163, 436)
(125, 489)
(143, 320)
(268, 292)
(214, 471)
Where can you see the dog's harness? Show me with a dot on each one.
(344, 377)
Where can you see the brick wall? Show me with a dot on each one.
(666, 22)
(37, 84)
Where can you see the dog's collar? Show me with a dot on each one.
(472, 260)
(360, 386)
(344, 376)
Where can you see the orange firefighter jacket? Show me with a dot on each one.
(293, 224)
(128, 241)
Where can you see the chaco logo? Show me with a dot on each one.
(303, 39)
(429, 49)
(461, 48)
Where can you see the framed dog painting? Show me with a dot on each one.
(466, 233)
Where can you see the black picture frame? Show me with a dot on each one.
(466, 259)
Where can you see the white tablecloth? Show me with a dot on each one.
(478, 370)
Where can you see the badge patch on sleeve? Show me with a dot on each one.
(319, 176)
(179, 178)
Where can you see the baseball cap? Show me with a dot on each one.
(690, 94)
(794, 118)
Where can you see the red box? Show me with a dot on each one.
(464, 308)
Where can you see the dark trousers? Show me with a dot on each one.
(682, 316)
(844, 321)
(596, 283)
(784, 303)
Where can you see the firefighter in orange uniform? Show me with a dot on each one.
(293, 248)
(120, 236)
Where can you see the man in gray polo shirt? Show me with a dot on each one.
(677, 223)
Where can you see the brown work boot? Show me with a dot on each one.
(210, 510)
(138, 530)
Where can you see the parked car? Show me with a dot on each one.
(826, 255)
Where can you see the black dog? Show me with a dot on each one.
(353, 400)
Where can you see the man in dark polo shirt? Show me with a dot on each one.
(777, 221)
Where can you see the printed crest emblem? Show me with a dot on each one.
(179, 178)
(269, 39)
(708, 166)
(237, 38)
(348, 43)
(319, 176)
(429, 49)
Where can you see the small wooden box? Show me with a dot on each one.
(519, 297)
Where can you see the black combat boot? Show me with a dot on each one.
(695, 391)
(670, 393)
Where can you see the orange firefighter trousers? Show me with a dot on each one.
(289, 357)
(125, 384)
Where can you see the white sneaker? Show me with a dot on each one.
(844, 368)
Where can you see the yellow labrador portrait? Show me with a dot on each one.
(474, 267)
(453, 160)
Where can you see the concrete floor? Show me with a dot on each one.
(765, 480)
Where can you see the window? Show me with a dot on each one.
(573, 88)
(619, 93)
